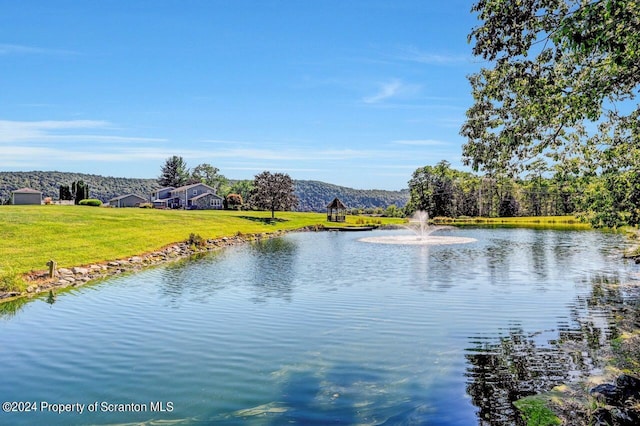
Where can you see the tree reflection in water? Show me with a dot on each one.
(502, 369)
(266, 267)
(272, 269)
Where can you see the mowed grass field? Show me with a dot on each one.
(78, 235)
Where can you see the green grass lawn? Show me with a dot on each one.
(77, 235)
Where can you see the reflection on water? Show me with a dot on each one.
(516, 364)
(267, 280)
(504, 370)
(187, 279)
(200, 277)
(321, 328)
(12, 307)
(51, 298)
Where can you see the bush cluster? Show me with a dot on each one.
(196, 240)
(11, 281)
(90, 202)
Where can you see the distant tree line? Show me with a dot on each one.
(443, 191)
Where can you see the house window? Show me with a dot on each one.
(195, 192)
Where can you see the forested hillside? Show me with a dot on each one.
(313, 195)
(101, 187)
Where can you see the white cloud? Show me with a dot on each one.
(413, 54)
(102, 138)
(244, 159)
(9, 49)
(44, 154)
(386, 91)
(223, 142)
(58, 131)
(278, 154)
(421, 142)
(394, 89)
(259, 168)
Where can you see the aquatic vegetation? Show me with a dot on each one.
(536, 413)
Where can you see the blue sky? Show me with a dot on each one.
(354, 93)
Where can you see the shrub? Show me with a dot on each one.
(90, 202)
(196, 240)
(234, 201)
(11, 281)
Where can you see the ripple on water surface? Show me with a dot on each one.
(318, 327)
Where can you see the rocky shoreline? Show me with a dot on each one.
(39, 281)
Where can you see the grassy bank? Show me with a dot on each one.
(525, 221)
(78, 235)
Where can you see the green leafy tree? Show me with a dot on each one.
(393, 211)
(421, 188)
(556, 65)
(207, 174)
(273, 192)
(557, 68)
(233, 201)
(65, 193)
(244, 188)
(431, 189)
(174, 172)
(80, 191)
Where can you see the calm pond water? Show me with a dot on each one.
(319, 328)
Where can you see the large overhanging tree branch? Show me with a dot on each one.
(557, 67)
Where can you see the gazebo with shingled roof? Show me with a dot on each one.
(336, 211)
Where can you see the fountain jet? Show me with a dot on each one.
(419, 224)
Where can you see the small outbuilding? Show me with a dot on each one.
(129, 200)
(336, 211)
(26, 196)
